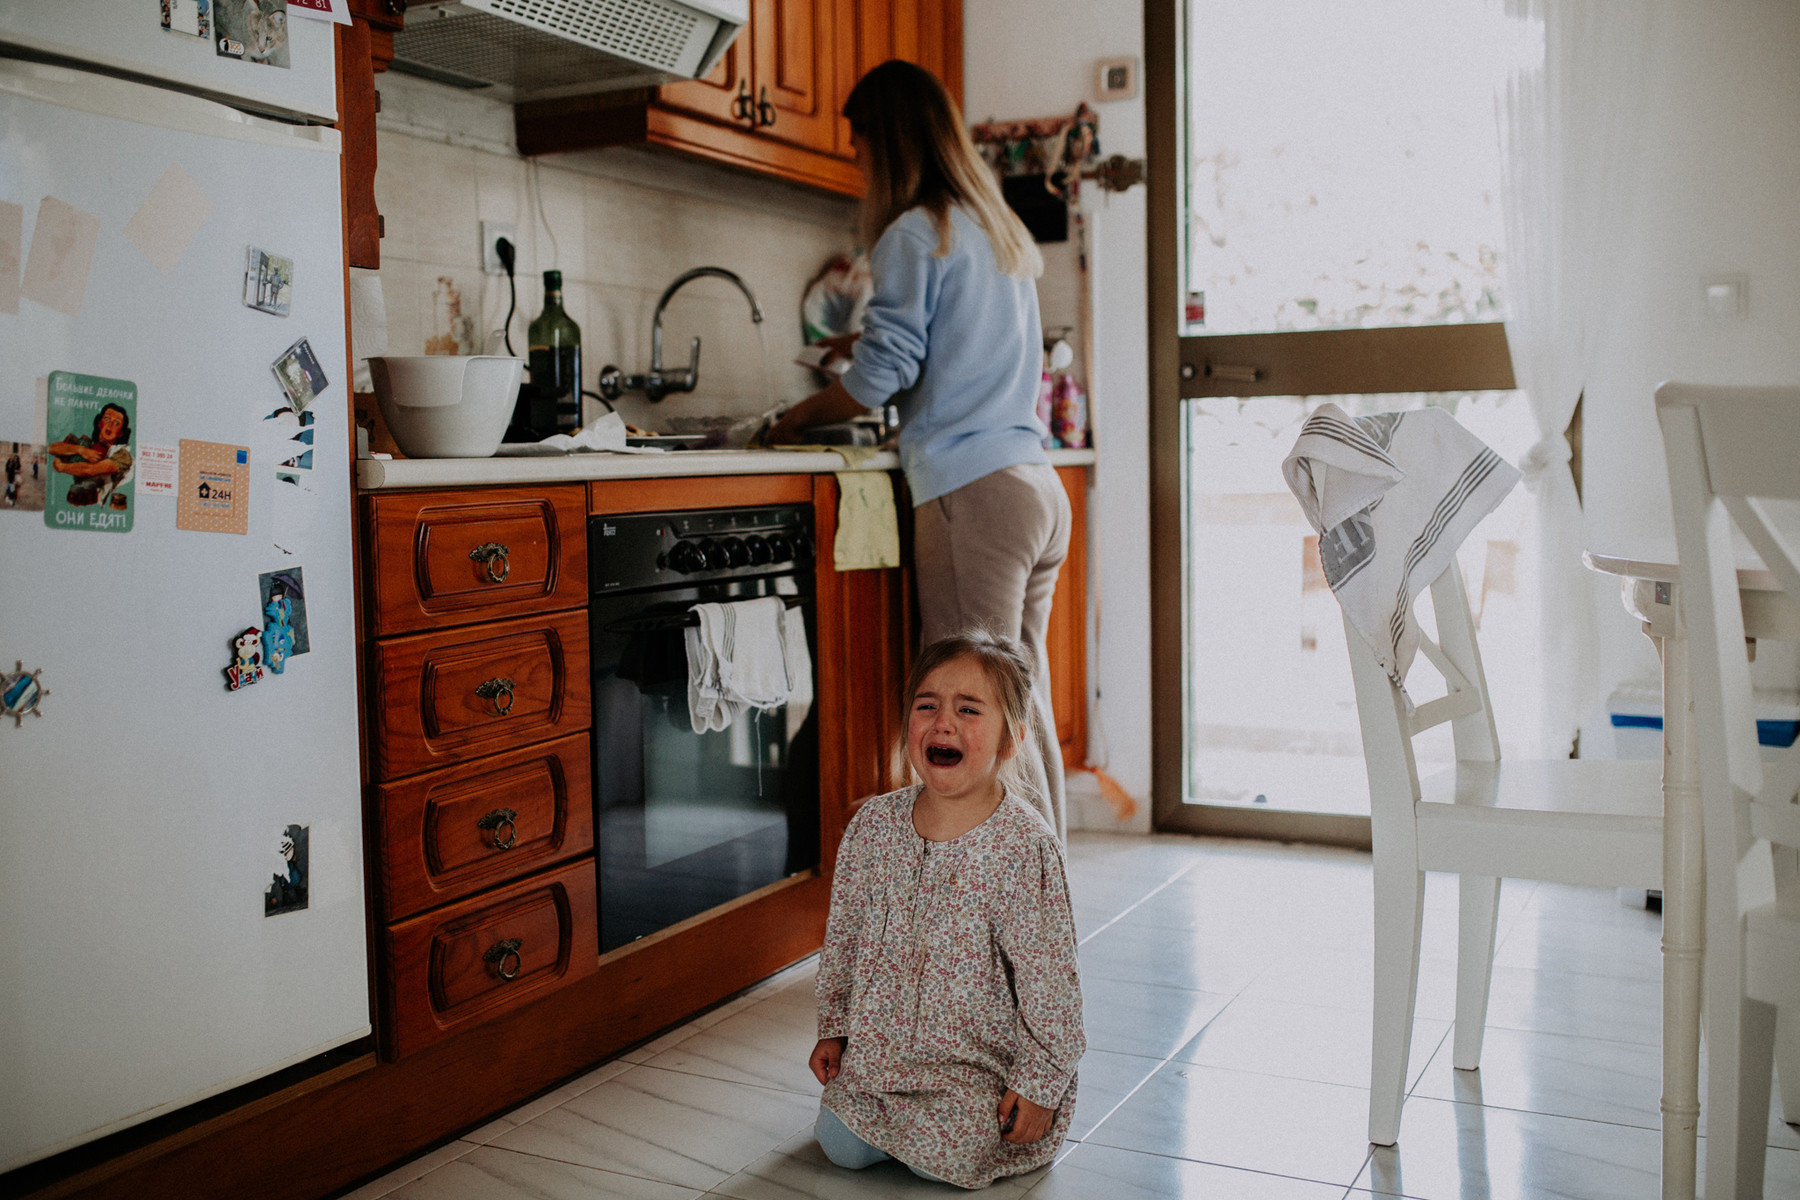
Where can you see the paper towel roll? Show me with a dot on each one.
(368, 325)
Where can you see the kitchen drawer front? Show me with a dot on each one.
(445, 698)
(448, 558)
(450, 969)
(451, 833)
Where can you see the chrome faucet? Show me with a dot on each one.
(657, 382)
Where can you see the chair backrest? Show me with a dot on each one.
(1389, 722)
(1734, 459)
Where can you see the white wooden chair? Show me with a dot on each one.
(1580, 821)
(1734, 459)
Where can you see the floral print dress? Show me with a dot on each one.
(950, 968)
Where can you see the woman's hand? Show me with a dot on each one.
(824, 407)
(1028, 1121)
(827, 1058)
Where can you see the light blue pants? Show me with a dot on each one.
(851, 1152)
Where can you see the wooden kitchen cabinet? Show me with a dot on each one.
(476, 685)
(771, 105)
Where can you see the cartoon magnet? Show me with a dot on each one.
(21, 692)
(278, 633)
(247, 659)
(287, 888)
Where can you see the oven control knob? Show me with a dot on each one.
(757, 548)
(780, 549)
(802, 546)
(712, 555)
(736, 553)
(686, 558)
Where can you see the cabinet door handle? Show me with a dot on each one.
(504, 958)
(765, 112)
(743, 106)
(493, 823)
(493, 555)
(498, 693)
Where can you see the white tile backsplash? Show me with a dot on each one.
(625, 223)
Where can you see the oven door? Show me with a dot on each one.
(687, 821)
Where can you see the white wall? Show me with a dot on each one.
(1719, 194)
(1036, 58)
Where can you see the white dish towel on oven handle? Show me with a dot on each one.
(747, 654)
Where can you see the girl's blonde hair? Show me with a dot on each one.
(919, 155)
(1010, 670)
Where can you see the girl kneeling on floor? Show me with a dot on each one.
(949, 1004)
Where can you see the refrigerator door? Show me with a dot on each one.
(142, 814)
(116, 36)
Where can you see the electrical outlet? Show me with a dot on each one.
(491, 232)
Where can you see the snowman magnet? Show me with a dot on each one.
(21, 692)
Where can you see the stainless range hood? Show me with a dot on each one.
(541, 49)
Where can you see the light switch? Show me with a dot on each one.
(1725, 297)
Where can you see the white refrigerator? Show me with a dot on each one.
(181, 866)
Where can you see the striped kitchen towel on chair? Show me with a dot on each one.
(1391, 496)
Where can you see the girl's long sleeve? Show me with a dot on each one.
(1037, 936)
(837, 958)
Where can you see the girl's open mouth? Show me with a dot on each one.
(942, 756)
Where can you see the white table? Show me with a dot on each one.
(1651, 592)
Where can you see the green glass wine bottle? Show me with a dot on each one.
(555, 356)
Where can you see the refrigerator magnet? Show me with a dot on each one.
(252, 30)
(213, 495)
(88, 422)
(288, 887)
(283, 595)
(268, 281)
(26, 469)
(299, 373)
(246, 660)
(191, 17)
(21, 692)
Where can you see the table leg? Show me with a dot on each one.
(1684, 924)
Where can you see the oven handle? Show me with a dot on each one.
(681, 620)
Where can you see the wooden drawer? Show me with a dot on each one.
(446, 970)
(439, 699)
(445, 835)
(422, 575)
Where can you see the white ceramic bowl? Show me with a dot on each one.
(443, 406)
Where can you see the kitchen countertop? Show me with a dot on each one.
(374, 474)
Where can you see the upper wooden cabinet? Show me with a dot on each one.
(771, 105)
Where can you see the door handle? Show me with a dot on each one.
(1232, 374)
(743, 107)
(765, 112)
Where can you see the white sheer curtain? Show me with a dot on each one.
(1575, 88)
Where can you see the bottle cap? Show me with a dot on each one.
(553, 280)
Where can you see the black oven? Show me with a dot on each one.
(686, 821)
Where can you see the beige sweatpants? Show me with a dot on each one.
(988, 554)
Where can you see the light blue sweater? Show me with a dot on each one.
(958, 348)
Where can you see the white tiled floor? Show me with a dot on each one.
(1226, 987)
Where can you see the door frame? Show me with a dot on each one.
(1468, 357)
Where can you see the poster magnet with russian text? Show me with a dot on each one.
(88, 437)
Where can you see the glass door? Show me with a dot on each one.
(1340, 237)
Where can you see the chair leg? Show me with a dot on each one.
(1399, 912)
(1787, 1062)
(1740, 1045)
(1477, 915)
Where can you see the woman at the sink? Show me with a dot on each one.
(952, 338)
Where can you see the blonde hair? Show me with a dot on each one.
(920, 156)
(1009, 669)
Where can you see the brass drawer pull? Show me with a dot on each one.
(491, 553)
(492, 823)
(504, 958)
(499, 694)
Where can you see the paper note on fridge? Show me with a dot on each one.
(170, 217)
(156, 470)
(12, 237)
(213, 492)
(62, 252)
